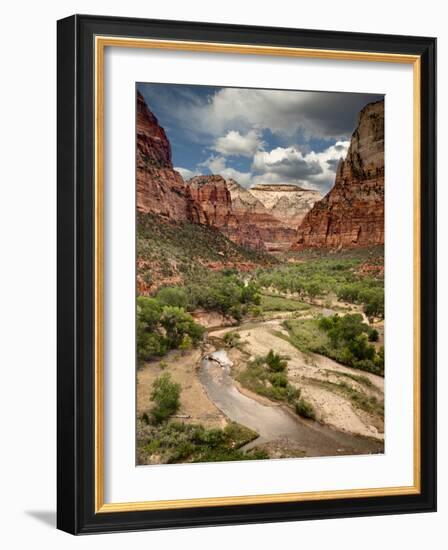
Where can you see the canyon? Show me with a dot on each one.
(274, 218)
(247, 348)
(264, 219)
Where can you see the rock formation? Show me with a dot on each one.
(352, 213)
(160, 189)
(212, 205)
(251, 212)
(263, 217)
(288, 203)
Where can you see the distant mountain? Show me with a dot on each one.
(288, 203)
(274, 232)
(208, 200)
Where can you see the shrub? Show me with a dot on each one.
(186, 343)
(165, 395)
(279, 379)
(150, 344)
(173, 296)
(373, 335)
(379, 359)
(275, 362)
(176, 442)
(292, 393)
(305, 409)
(212, 437)
(255, 311)
(232, 339)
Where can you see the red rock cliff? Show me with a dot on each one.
(251, 212)
(160, 189)
(211, 200)
(212, 205)
(352, 213)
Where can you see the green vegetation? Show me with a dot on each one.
(319, 276)
(160, 440)
(364, 292)
(280, 303)
(342, 338)
(173, 296)
(161, 328)
(267, 377)
(165, 395)
(305, 409)
(173, 442)
(227, 293)
(275, 362)
(360, 378)
(370, 404)
(232, 339)
(183, 249)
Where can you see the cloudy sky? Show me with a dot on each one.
(256, 136)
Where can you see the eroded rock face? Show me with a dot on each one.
(213, 204)
(288, 203)
(352, 213)
(263, 217)
(211, 201)
(251, 212)
(160, 189)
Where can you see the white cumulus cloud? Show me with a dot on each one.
(234, 143)
(217, 165)
(291, 165)
(186, 173)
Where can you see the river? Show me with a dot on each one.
(275, 422)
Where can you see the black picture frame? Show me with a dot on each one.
(76, 271)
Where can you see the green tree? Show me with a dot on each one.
(173, 296)
(165, 395)
(373, 300)
(186, 343)
(360, 348)
(250, 294)
(149, 341)
(148, 312)
(177, 323)
(150, 344)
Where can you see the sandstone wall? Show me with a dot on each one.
(352, 213)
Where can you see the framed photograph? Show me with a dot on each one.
(246, 266)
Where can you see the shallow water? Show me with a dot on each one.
(274, 422)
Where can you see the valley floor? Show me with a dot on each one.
(348, 403)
